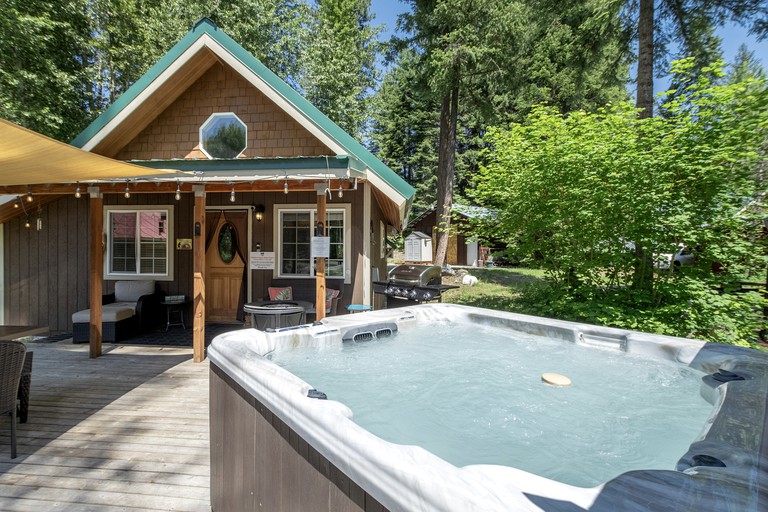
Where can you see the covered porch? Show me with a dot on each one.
(103, 438)
(76, 223)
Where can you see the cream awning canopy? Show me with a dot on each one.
(29, 158)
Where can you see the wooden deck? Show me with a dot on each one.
(127, 431)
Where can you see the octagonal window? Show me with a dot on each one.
(223, 135)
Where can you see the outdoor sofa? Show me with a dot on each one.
(134, 307)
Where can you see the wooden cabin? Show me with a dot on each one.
(464, 248)
(240, 164)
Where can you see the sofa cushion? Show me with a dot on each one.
(109, 313)
(131, 291)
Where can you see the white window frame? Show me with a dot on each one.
(211, 119)
(278, 210)
(107, 243)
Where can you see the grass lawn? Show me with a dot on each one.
(502, 289)
(496, 288)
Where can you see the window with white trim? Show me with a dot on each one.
(223, 135)
(138, 242)
(294, 231)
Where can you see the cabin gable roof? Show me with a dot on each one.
(188, 60)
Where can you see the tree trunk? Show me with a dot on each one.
(645, 59)
(643, 267)
(446, 169)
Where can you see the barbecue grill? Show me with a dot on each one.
(412, 284)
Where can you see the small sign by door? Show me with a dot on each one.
(262, 261)
(321, 247)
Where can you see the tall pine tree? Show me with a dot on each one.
(340, 75)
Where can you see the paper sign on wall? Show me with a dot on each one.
(262, 261)
(321, 247)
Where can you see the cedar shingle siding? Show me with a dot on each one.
(175, 133)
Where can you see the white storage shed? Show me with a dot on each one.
(418, 247)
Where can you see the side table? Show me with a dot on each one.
(358, 308)
(175, 307)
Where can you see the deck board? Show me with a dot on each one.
(14, 332)
(125, 431)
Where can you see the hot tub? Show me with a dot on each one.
(273, 447)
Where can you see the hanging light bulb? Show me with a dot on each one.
(77, 192)
(341, 192)
(232, 195)
(29, 197)
(26, 224)
(285, 187)
(127, 190)
(178, 191)
(16, 203)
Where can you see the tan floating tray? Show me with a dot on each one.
(556, 379)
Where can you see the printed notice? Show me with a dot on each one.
(262, 261)
(321, 247)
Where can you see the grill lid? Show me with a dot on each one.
(416, 275)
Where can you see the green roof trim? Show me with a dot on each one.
(205, 26)
(266, 165)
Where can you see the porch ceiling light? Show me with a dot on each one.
(127, 190)
(232, 195)
(77, 192)
(29, 197)
(178, 191)
(285, 187)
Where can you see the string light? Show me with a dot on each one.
(232, 195)
(127, 190)
(341, 192)
(16, 203)
(29, 197)
(26, 224)
(285, 187)
(77, 192)
(178, 191)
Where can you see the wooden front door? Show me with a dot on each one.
(224, 274)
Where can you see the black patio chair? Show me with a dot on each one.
(11, 363)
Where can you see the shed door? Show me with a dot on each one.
(411, 249)
(223, 274)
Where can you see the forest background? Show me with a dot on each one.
(478, 98)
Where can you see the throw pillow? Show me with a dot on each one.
(280, 293)
(330, 294)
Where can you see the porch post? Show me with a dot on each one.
(96, 221)
(320, 262)
(198, 256)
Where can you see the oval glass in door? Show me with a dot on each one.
(227, 243)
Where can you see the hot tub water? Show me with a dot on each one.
(472, 394)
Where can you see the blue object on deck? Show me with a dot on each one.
(356, 308)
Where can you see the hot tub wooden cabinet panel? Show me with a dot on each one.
(259, 463)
